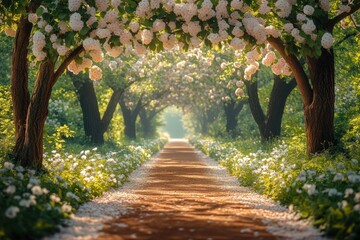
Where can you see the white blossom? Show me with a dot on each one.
(11, 212)
(308, 10)
(310, 189)
(74, 5)
(10, 189)
(8, 165)
(327, 40)
(75, 22)
(95, 73)
(36, 190)
(32, 17)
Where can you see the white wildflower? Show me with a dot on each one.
(10, 189)
(8, 165)
(310, 188)
(11, 212)
(66, 208)
(36, 190)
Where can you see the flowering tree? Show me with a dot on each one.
(197, 91)
(151, 83)
(225, 78)
(292, 28)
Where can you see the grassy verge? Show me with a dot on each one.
(33, 205)
(324, 188)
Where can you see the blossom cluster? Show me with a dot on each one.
(99, 26)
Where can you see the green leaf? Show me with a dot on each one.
(62, 16)
(84, 31)
(114, 41)
(22, 3)
(95, 25)
(7, 3)
(69, 38)
(317, 52)
(78, 60)
(248, 2)
(46, 16)
(39, 11)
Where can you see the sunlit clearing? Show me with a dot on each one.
(173, 123)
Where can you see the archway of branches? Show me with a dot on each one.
(73, 34)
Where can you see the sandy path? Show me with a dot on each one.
(180, 199)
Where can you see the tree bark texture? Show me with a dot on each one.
(110, 109)
(318, 98)
(30, 152)
(19, 80)
(319, 114)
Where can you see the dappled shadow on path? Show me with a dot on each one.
(181, 200)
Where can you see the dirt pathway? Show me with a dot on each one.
(180, 199)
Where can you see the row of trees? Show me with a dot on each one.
(61, 32)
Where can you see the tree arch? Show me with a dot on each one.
(72, 34)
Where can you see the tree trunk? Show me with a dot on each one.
(30, 153)
(232, 110)
(270, 125)
(130, 126)
(279, 94)
(110, 109)
(255, 106)
(146, 124)
(30, 114)
(204, 125)
(19, 80)
(319, 114)
(319, 100)
(231, 120)
(129, 117)
(90, 109)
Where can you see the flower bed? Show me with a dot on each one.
(325, 189)
(34, 204)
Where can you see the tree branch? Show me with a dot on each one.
(160, 110)
(254, 103)
(354, 21)
(297, 69)
(332, 22)
(345, 38)
(239, 106)
(66, 62)
(110, 109)
(139, 105)
(291, 84)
